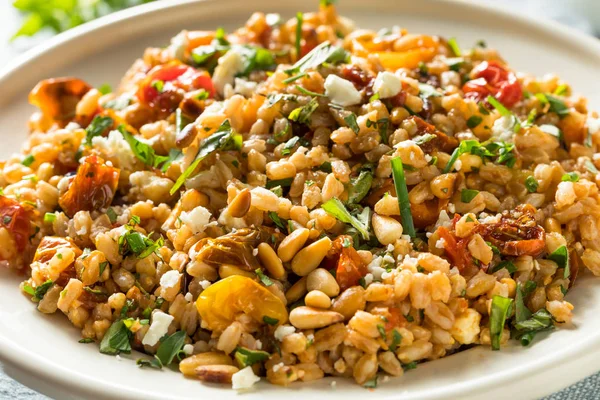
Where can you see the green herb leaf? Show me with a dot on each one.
(505, 112)
(225, 138)
(570, 177)
(500, 310)
(402, 193)
(302, 114)
(112, 215)
(105, 88)
(359, 187)
(467, 195)
(589, 165)
(98, 125)
(40, 291)
(396, 340)
(246, 357)
(454, 47)
(287, 182)
(299, 21)
(324, 52)
(352, 124)
(116, 339)
(335, 208)
(541, 320)
(86, 340)
(270, 321)
(557, 106)
(426, 91)
(28, 160)
(263, 278)
(531, 184)
(49, 218)
(143, 151)
(158, 85)
(170, 347)
(522, 313)
(510, 267)
(308, 92)
(410, 365)
(561, 257)
(371, 383)
(474, 121)
(464, 147)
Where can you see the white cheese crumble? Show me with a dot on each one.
(369, 279)
(244, 87)
(255, 252)
(188, 349)
(197, 219)
(277, 367)
(115, 147)
(341, 91)
(283, 331)
(158, 328)
(229, 66)
(258, 344)
(451, 208)
(205, 284)
(387, 84)
(457, 165)
(503, 128)
(170, 278)
(188, 297)
(118, 357)
(244, 379)
(72, 126)
(440, 243)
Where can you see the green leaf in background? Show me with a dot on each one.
(60, 15)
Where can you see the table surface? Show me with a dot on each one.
(588, 388)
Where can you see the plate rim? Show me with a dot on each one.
(11, 354)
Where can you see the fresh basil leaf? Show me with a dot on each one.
(561, 257)
(275, 98)
(279, 182)
(474, 121)
(246, 357)
(402, 193)
(540, 320)
(335, 208)
(270, 321)
(98, 125)
(41, 290)
(557, 106)
(116, 339)
(522, 313)
(359, 187)
(510, 267)
(499, 312)
(170, 347)
(143, 151)
(225, 138)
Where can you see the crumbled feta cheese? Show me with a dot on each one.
(118, 357)
(188, 349)
(386, 275)
(277, 367)
(170, 278)
(503, 128)
(451, 207)
(283, 331)
(255, 252)
(310, 337)
(457, 165)
(72, 126)
(443, 219)
(230, 64)
(428, 158)
(158, 328)
(490, 219)
(197, 219)
(385, 379)
(205, 284)
(178, 45)
(189, 297)
(406, 237)
(369, 279)
(428, 234)
(341, 91)
(244, 379)
(117, 148)
(440, 243)
(390, 248)
(82, 230)
(258, 344)
(387, 84)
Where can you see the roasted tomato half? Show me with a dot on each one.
(93, 187)
(491, 78)
(16, 219)
(58, 97)
(165, 85)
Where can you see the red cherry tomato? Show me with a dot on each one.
(174, 77)
(493, 79)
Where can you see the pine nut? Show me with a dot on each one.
(317, 299)
(292, 244)
(240, 204)
(226, 270)
(311, 318)
(270, 261)
(297, 290)
(387, 229)
(350, 301)
(310, 257)
(321, 279)
(188, 365)
(216, 373)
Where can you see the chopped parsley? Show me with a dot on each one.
(335, 208)
(97, 127)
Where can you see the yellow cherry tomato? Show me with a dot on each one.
(219, 304)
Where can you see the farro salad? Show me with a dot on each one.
(300, 199)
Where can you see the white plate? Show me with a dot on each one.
(43, 352)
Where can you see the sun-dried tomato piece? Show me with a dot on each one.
(17, 220)
(428, 212)
(456, 248)
(57, 97)
(93, 187)
(441, 141)
(349, 267)
(359, 78)
(516, 234)
(50, 245)
(395, 319)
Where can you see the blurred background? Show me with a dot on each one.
(27, 23)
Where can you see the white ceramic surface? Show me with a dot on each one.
(43, 352)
